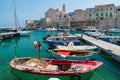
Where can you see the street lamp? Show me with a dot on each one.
(37, 45)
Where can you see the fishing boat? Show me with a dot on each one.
(63, 34)
(71, 46)
(37, 69)
(63, 40)
(73, 54)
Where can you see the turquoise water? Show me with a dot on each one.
(24, 48)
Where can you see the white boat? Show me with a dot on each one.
(51, 29)
(24, 33)
(103, 36)
(116, 29)
(71, 46)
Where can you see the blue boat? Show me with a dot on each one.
(63, 40)
(73, 54)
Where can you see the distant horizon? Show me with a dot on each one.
(34, 10)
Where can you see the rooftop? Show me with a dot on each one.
(104, 5)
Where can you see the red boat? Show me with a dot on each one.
(51, 68)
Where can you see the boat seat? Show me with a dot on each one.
(51, 67)
(66, 53)
(76, 68)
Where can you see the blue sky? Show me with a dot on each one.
(35, 9)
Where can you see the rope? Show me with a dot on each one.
(112, 69)
(98, 75)
(105, 56)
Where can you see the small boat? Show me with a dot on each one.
(63, 40)
(73, 54)
(37, 69)
(58, 34)
(115, 29)
(71, 46)
(104, 37)
(24, 33)
(8, 35)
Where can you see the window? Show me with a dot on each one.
(110, 14)
(102, 9)
(64, 16)
(101, 14)
(97, 14)
(90, 10)
(110, 8)
(90, 15)
(97, 9)
(106, 14)
(118, 9)
(59, 16)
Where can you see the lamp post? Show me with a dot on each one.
(37, 45)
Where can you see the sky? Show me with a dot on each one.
(35, 9)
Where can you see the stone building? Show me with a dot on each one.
(78, 15)
(58, 17)
(104, 15)
(29, 24)
(118, 16)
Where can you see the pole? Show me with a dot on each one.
(15, 16)
(38, 53)
(15, 53)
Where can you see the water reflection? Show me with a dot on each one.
(6, 43)
(14, 41)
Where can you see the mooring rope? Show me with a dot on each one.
(112, 69)
(98, 75)
(105, 56)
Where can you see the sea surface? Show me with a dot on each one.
(23, 47)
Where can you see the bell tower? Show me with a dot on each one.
(64, 7)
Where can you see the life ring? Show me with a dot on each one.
(75, 77)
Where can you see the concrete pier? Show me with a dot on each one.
(110, 48)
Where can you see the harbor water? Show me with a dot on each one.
(23, 47)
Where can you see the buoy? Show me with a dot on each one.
(53, 79)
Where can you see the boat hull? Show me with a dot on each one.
(30, 76)
(57, 56)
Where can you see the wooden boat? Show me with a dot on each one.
(34, 69)
(71, 46)
(63, 40)
(73, 54)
